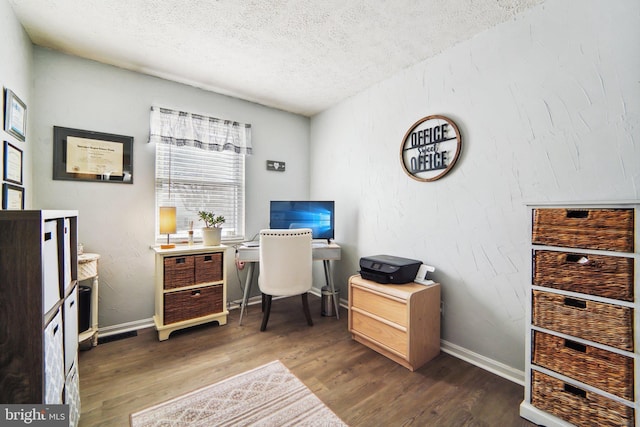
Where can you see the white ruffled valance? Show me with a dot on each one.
(208, 133)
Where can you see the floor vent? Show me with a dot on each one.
(116, 337)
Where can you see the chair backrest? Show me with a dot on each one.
(285, 261)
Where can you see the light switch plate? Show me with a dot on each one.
(275, 165)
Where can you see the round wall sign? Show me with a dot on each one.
(430, 148)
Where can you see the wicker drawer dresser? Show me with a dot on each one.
(191, 288)
(582, 362)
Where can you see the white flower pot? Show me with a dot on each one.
(211, 236)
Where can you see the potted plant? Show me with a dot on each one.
(212, 231)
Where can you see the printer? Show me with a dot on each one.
(389, 269)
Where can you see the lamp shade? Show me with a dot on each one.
(167, 219)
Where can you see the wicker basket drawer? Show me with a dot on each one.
(607, 229)
(178, 272)
(605, 370)
(379, 305)
(192, 303)
(594, 321)
(381, 333)
(601, 275)
(577, 406)
(208, 267)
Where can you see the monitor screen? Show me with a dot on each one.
(317, 215)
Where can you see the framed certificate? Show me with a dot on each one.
(15, 115)
(12, 197)
(12, 163)
(92, 156)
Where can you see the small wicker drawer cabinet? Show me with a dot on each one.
(401, 322)
(191, 287)
(582, 365)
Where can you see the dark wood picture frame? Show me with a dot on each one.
(15, 115)
(12, 194)
(12, 161)
(97, 155)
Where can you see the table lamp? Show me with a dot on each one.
(167, 224)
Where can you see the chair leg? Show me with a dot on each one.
(267, 310)
(263, 300)
(305, 307)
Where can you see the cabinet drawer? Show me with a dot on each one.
(577, 406)
(600, 275)
(208, 267)
(607, 229)
(178, 271)
(387, 308)
(380, 332)
(54, 360)
(192, 303)
(599, 368)
(594, 321)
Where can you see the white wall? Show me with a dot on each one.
(117, 220)
(15, 74)
(548, 105)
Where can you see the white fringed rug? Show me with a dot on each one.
(269, 395)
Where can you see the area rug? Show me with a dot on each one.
(269, 395)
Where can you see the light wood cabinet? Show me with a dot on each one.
(39, 310)
(191, 287)
(582, 332)
(401, 322)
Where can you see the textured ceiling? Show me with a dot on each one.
(301, 56)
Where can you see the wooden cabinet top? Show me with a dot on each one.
(187, 250)
(403, 291)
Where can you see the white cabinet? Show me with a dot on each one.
(191, 287)
(581, 349)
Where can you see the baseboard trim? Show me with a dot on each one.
(493, 366)
(125, 327)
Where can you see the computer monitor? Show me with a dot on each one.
(319, 216)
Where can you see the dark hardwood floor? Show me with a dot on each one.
(362, 387)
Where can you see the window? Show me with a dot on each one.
(200, 165)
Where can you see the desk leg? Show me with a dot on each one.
(247, 289)
(328, 275)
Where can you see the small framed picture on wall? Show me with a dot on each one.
(12, 197)
(12, 163)
(15, 115)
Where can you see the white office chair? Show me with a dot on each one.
(285, 267)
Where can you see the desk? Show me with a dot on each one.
(321, 252)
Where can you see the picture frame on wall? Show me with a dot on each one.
(12, 163)
(82, 155)
(15, 115)
(12, 197)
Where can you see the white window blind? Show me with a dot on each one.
(202, 173)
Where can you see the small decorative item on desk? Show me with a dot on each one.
(212, 231)
(191, 233)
